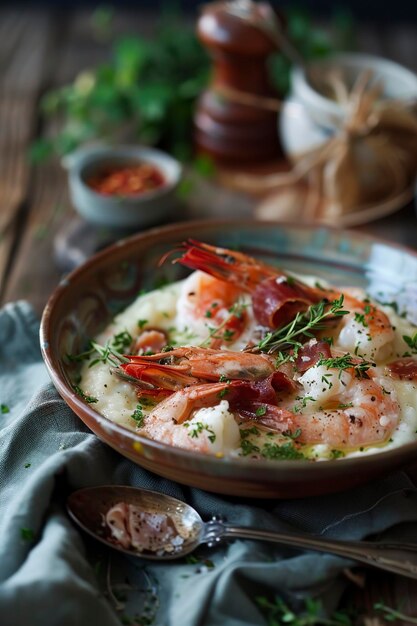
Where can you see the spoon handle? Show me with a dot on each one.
(394, 557)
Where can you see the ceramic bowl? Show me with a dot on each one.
(86, 300)
(143, 210)
(308, 118)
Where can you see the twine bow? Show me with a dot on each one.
(371, 158)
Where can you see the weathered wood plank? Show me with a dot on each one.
(23, 43)
(34, 274)
(23, 46)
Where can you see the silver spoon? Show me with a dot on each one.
(89, 507)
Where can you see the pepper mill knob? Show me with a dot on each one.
(237, 37)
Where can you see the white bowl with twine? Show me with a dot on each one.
(321, 94)
(354, 152)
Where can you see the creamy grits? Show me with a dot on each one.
(338, 390)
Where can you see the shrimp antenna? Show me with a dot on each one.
(164, 257)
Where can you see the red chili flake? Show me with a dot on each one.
(127, 181)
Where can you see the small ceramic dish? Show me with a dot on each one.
(144, 209)
(85, 302)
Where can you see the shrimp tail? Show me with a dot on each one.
(224, 264)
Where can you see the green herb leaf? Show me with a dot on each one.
(138, 416)
(85, 397)
(411, 342)
(360, 367)
(27, 534)
(301, 327)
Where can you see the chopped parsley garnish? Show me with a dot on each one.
(227, 335)
(4, 409)
(84, 396)
(269, 450)
(411, 342)
(27, 465)
(303, 403)
(360, 318)
(261, 410)
(295, 435)
(198, 428)
(325, 380)
(336, 454)
(138, 416)
(141, 324)
(122, 341)
(285, 451)
(245, 432)
(248, 447)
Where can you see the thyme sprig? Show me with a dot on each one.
(302, 326)
(97, 353)
(344, 362)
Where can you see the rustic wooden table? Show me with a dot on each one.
(44, 49)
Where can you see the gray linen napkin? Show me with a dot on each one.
(50, 574)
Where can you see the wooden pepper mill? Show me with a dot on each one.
(236, 36)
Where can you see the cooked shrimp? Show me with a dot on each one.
(338, 409)
(213, 430)
(206, 303)
(277, 298)
(366, 330)
(180, 367)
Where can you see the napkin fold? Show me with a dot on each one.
(51, 574)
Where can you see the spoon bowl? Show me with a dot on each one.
(89, 507)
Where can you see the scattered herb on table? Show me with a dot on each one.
(27, 534)
(4, 409)
(279, 612)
